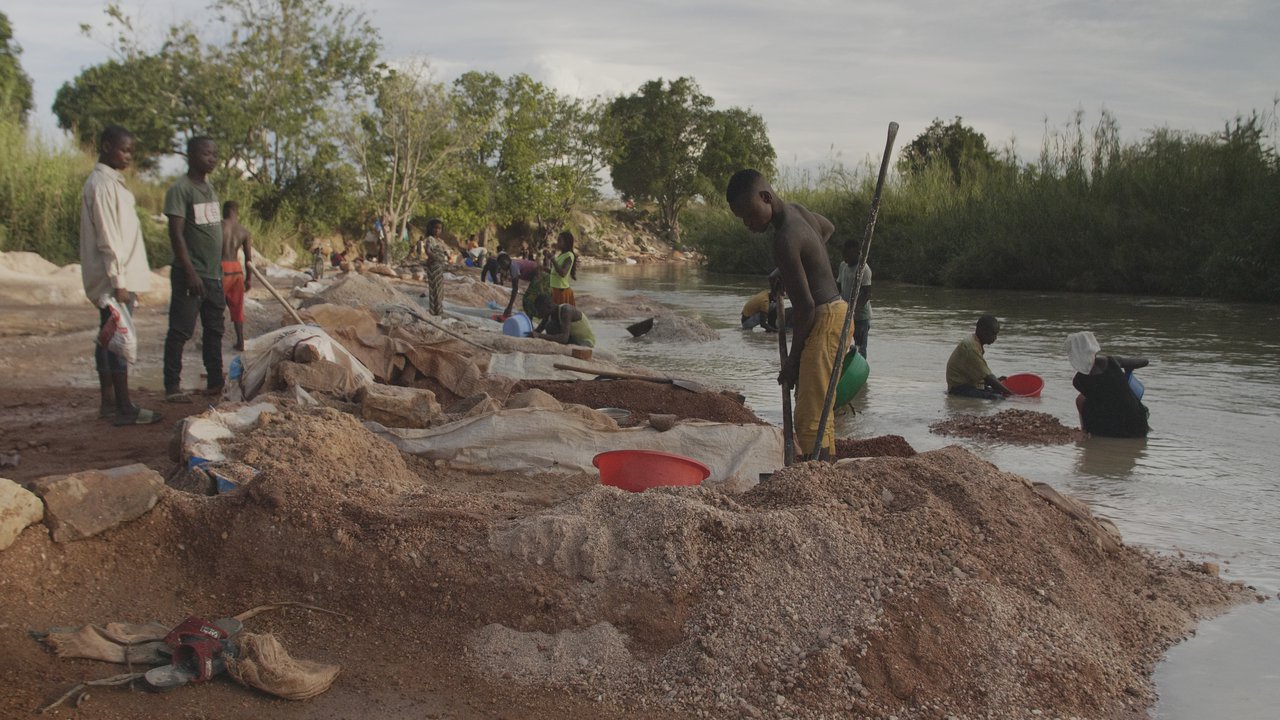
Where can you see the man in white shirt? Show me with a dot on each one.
(862, 307)
(113, 264)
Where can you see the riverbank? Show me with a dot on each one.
(474, 591)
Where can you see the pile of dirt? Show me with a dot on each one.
(644, 398)
(27, 279)
(473, 293)
(356, 290)
(678, 328)
(917, 587)
(882, 446)
(1022, 427)
(298, 452)
(26, 263)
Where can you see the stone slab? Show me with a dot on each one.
(83, 504)
(18, 509)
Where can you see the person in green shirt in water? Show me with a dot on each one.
(967, 371)
(566, 324)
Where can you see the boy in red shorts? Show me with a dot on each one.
(235, 277)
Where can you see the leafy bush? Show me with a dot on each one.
(1176, 213)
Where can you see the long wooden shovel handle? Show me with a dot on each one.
(275, 294)
(788, 429)
(830, 398)
(616, 375)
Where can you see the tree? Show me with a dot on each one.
(959, 146)
(120, 92)
(15, 85)
(575, 155)
(738, 138)
(538, 154)
(265, 92)
(668, 144)
(404, 143)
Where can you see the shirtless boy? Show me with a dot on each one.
(235, 277)
(804, 271)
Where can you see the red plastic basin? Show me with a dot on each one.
(1025, 384)
(639, 470)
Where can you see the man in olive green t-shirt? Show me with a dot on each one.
(967, 372)
(195, 232)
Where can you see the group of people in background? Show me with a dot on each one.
(1108, 404)
(548, 294)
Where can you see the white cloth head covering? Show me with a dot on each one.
(1082, 348)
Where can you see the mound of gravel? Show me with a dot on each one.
(916, 587)
(678, 329)
(357, 290)
(1022, 427)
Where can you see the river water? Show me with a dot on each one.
(1204, 483)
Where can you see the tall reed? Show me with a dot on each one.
(1174, 213)
(40, 194)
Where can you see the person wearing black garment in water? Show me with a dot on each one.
(1107, 404)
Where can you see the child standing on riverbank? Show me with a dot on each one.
(236, 280)
(564, 267)
(804, 272)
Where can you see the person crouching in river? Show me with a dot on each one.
(967, 372)
(1107, 404)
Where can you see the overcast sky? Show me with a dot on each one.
(826, 75)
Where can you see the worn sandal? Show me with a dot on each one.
(178, 398)
(199, 650)
(140, 416)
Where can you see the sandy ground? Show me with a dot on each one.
(912, 586)
(49, 400)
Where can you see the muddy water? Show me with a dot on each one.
(1205, 483)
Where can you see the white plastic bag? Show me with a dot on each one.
(117, 335)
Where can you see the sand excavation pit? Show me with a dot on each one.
(644, 398)
(917, 587)
(1021, 427)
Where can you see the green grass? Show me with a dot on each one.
(40, 186)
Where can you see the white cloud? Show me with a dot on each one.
(824, 73)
